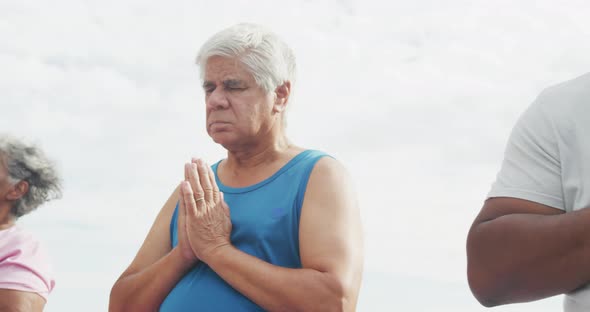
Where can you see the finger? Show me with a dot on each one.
(215, 191)
(198, 194)
(186, 172)
(181, 210)
(181, 206)
(188, 200)
(205, 182)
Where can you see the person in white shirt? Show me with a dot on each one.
(531, 239)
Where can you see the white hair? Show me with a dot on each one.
(266, 56)
(28, 163)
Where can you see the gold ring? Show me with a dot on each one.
(200, 198)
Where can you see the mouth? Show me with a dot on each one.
(218, 123)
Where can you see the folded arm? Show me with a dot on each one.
(518, 251)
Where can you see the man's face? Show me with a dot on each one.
(238, 110)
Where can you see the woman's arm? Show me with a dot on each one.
(20, 301)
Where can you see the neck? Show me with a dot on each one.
(254, 155)
(6, 218)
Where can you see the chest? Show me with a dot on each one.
(269, 218)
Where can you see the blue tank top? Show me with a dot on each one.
(265, 224)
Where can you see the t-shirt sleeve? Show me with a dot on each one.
(531, 168)
(26, 268)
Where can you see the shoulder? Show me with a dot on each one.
(570, 91)
(24, 264)
(16, 241)
(555, 116)
(564, 100)
(319, 160)
(328, 167)
(309, 161)
(329, 176)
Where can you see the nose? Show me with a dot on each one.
(217, 99)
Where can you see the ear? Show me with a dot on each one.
(282, 93)
(18, 190)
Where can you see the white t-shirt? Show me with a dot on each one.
(547, 159)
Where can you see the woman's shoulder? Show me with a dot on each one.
(18, 246)
(15, 237)
(24, 264)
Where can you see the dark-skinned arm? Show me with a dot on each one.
(519, 250)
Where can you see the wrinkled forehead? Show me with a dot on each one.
(219, 68)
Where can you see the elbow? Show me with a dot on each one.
(482, 290)
(325, 303)
(340, 303)
(116, 303)
(493, 287)
(338, 299)
(485, 283)
(327, 295)
(333, 303)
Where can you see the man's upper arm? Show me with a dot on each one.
(20, 301)
(531, 169)
(500, 206)
(158, 241)
(330, 234)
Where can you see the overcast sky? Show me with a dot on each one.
(416, 98)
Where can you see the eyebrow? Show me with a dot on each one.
(208, 84)
(232, 83)
(226, 83)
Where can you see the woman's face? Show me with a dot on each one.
(5, 184)
(239, 112)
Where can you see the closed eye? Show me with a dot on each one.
(234, 85)
(208, 87)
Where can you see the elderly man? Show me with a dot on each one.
(273, 226)
(531, 238)
(27, 180)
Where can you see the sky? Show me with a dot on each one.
(415, 98)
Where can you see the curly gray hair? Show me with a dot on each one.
(28, 163)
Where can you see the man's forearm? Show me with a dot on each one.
(145, 290)
(279, 289)
(524, 257)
